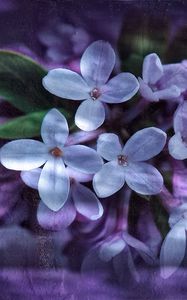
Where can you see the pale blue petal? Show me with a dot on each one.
(146, 92)
(145, 144)
(31, 178)
(111, 248)
(86, 202)
(24, 155)
(180, 119)
(97, 63)
(109, 179)
(82, 158)
(172, 250)
(152, 68)
(143, 178)
(54, 184)
(119, 89)
(52, 220)
(169, 93)
(108, 146)
(177, 148)
(78, 176)
(90, 115)
(66, 84)
(54, 129)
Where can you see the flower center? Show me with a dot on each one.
(122, 160)
(95, 93)
(56, 152)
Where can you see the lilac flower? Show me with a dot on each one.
(80, 199)
(162, 82)
(126, 164)
(178, 143)
(174, 246)
(96, 65)
(27, 154)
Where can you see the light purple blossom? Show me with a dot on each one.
(174, 246)
(93, 87)
(80, 200)
(178, 142)
(54, 182)
(162, 82)
(127, 164)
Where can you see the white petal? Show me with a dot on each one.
(24, 155)
(120, 88)
(145, 144)
(177, 148)
(90, 115)
(86, 202)
(78, 176)
(97, 63)
(31, 178)
(54, 129)
(143, 178)
(173, 250)
(82, 158)
(108, 146)
(54, 184)
(66, 84)
(109, 179)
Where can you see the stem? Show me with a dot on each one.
(123, 209)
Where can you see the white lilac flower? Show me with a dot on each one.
(80, 199)
(162, 82)
(127, 164)
(178, 143)
(93, 86)
(174, 246)
(27, 154)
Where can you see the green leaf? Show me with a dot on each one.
(27, 126)
(21, 83)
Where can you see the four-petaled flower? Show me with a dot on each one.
(162, 82)
(54, 182)
(96, 65)
(126, 164)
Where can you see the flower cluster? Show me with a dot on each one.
(73, 170)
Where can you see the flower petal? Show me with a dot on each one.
(119, 89)
(146, 92)
(143, 178)
(111, 248)
(66, 84)
(82, 158)
(90, 115)
(51, 220)
(173, 250)
(180, 119)
(109, 179)
(54, 129)
(78, 176)
(86, 202)
(31, 178)
(145, 144)
(177, 148)
(23, 155)
(169, 93)
(108, 146)
(152, 68)
(97, 63)
(174, 74)
(54, 184)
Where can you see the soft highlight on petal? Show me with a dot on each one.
(152, 68)
(109, 179)
(23, 155)
(97, 63)
(66, 84)
(54, 184)
(54, 129)
(108, 146)
(177, 148)
(90, 115)
(145, 144)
